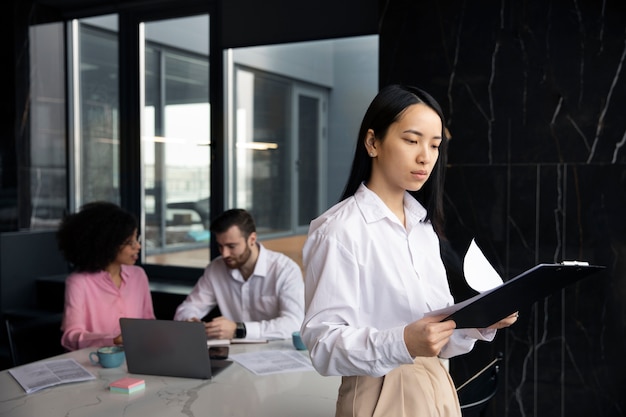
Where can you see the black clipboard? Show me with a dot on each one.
(518, 293)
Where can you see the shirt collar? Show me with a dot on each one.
(374, 209)
(104, 275)
(123, 271)
(260, 268)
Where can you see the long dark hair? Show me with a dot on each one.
(385, 109)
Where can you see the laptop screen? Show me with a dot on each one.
(168, 348)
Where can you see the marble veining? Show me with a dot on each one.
(606, 105)
(534, 93)
(234, 391)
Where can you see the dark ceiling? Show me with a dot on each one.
(82, 4)
(250, 22)
(80, 8)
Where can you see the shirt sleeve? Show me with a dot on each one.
(331, 331)
(200, 300)
(93, 306)
(76, 318)
(290, 295)
(463, 340)
(338, 344)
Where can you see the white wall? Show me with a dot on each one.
(348, 68)
(352, 92)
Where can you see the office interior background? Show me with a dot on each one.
(178, 110)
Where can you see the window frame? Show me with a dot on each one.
(227, 19)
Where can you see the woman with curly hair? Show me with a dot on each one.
(102, 244)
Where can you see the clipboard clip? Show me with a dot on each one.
(575, 263)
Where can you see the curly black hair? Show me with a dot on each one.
(91, 239)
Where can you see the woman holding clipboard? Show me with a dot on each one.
(373, 269)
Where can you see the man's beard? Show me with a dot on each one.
(240, 260)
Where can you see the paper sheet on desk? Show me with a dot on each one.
(39, 375)
(217, 342)
(248, 341)
(227, 342)
(266, 362)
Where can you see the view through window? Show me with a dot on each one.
(292, 113)
(175, 142)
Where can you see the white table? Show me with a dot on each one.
(233, 392)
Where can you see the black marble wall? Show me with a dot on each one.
(535, 96)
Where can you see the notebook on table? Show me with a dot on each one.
(168, 348)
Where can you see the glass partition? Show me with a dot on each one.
(94, 147)
(45, 172)
(291, 116)
(295, 111)
(175, 141)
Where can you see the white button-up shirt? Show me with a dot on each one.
(270, 302)
(366, 278)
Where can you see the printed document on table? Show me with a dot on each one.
(39, 375)
(247, 341)
(267, 362)
(217, 342)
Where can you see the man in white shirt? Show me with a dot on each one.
(259, 292)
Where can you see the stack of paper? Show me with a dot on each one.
(39, 375)
(127, 385)
(217, 342)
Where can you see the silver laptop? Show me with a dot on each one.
(168, 348)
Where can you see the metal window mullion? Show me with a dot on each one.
(75, 171)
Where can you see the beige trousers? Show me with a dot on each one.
(424, 389)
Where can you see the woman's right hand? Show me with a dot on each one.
(427, 336)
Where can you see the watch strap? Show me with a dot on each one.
(240, 330)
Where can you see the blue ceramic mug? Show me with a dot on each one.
(297, 341)
(108, 356)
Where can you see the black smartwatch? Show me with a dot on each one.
(240, 331)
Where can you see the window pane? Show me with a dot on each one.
(308, 158)
(176, 153)
(295, 113)
(48, 180)
(97, 145)
(263, 149)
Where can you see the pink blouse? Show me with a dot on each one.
(94, 305)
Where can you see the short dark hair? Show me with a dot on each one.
(234, 217)
(388, 105)
(91, 238)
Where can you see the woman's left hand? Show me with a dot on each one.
(505, 322)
